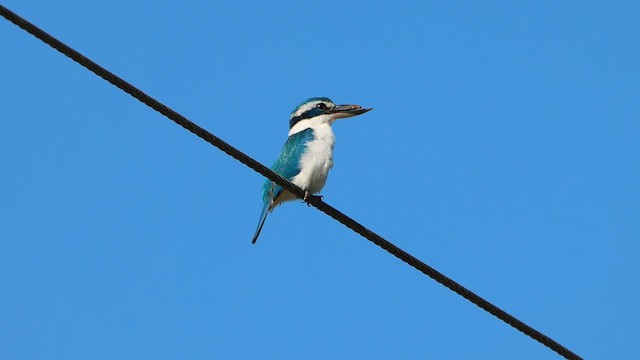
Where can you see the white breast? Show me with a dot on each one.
(317, 160)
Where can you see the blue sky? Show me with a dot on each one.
(502, 150)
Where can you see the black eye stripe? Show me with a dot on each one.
(306, 115)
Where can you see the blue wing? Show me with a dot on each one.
(287, 166)
(288, 163)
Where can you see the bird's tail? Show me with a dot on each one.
(263, 217)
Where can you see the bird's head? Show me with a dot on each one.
(320, 110)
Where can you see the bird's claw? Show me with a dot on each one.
(308, 196)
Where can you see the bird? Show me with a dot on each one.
(307, 156)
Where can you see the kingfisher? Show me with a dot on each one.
(307, 156)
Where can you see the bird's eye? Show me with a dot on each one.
(321, 106)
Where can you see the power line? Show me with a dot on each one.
(263, 170)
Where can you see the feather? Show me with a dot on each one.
(263, 217)
(287, 166)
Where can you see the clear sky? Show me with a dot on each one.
(503, 149)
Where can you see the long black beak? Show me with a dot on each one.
(345, 111)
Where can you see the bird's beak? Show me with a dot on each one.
(345, 111)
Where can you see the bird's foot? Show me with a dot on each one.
(308, 196)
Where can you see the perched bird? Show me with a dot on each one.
(307, 156)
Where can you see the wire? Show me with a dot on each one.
(263, 170)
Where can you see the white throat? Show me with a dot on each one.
(313, 122)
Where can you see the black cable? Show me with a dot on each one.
(315, 201)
